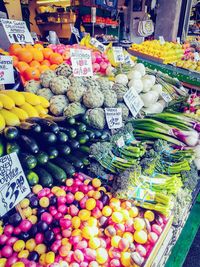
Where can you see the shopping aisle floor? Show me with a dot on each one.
(193, 257)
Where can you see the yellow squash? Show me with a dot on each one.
(30, 110)
(17, 97)
(40, 110)
(2, 122)
(44, 101)
(10, 118)
(31, 98)
(21, 114)
(7, 102)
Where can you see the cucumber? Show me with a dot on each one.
(52, 152)
(42, 157)
(74, 144)
(66, 166)
(85, 119)
(48, 138)
(45, 178)
(71, 121)
(80, 127)
(85, 149)
(83, 158)
(105, 136)
(62, 137)
(2, 148)
(71, 132)
(28, 161)
(31, 177)
(26, 127)
(74, 161)
(97, 134)
(56, 172)
(11, 133)
(11, 147)
(46, 125)
(28, 144)
(83, 138)
(91, 134)
(64, 149)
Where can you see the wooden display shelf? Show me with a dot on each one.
(145, 56)
(52, 23)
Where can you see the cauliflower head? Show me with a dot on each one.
(59, 85)
(57, 104)
(120, 90)
(96, 118)
(74, 109)
(93, 98)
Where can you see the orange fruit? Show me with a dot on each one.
(30, 48)
(47, 52)
(15, 61)
(34, 64)
(31, 74)
(25, 55)
(53, 67)
(14, 49)
(56, 58)
(39, 47)
(22, 66)
(37, 55)
(46, 62)
(43, 68)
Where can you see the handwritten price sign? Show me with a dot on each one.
(81, 62)
(114, 117)
(133, 101)
(118, 54)
(17, 31)
(13, 184)
(6, 70)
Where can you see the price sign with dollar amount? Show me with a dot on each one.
(17, 31)
(114, 117)
(13, 183)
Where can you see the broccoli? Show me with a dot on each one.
(148, 166)
(190, 178)
(95, 169)
(100, 150)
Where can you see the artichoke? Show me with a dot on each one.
(74, 109)
(93, 98)
(57, 104)
(59, 85)
(96, 118)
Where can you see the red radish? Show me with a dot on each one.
(61, 200)
(99, 204)
(85, 189)
(66, 233)
(17, 230)
(7, 251)
(58, 215)
(65, 223)
(47, 217)
(96, 67)
(58, 237)
(25, 225)
(11, 261)
(56, 230)
(11, 241)
(42, 193)
(3, 239)
(73, 210)
(82, 244)
(90, 254)
(115, 263)
(8, 230)
(62, 209)
(32, 264)
(39, 238)
(69, 198)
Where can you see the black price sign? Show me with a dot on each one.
(13, 184)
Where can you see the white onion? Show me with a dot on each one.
(134, 74)
(136, 84)
(121, 78)
(154, 108)
(141, 68)
(157, 87)
(149, 98)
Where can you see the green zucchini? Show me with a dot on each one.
(80, 127)
(71, 132)
(26, 127)
(91, 134)
(66, 166)
(45, 178)
(2, 147)
(83, 138)
(46, 125)
(11, 133)
(85, 119)
(85, 149)
(52, 152)
(97, 134)
(63, 149)
(11, 147)
(71, 121)
(28, 161)
(42, 157)
(48, 138)
(77, 163)
(31, 177)
(105, 136)
(83, 158)
(74, 144)
(62, 137)
(56, 172)
(28, 144)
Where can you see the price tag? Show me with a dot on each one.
(13, 184)
(81, 62)
(196, 56)
(166, 97)
(93, 14)
(128, 60)
(178, 39)
(6, 70)
(17, 31)
(120, 142)
(118, 54)
(114, 117)
(75, 31)
(133, 101)
(162, 40)
(34, 36)
(98, 45)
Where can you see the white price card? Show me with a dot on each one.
(17, 31)
(166, 97)
(120, 142)
(114, 117)
(133, 101)
(13, 184)
(81, 62)
(118, 54)
(98, 45)
(128, 60)
(196, 56)
(35, 37)
(162, 40)
(75, 31)
(178, 39)
(6, 70)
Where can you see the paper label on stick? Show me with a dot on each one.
(120, 142)
(81, 62)
(114, 117)
(17, 31)
(13, 183)
(133, 101)
(166, 97)
(162, 40)
(6, 70)
(98, 45)
(75, 31)
(118, 54)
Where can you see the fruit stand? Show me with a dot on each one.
(110, 161)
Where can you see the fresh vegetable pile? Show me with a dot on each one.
(79, 224)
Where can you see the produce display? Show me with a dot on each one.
(100, 197)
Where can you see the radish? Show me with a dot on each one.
(7, 251)
(93, 58)
(96, 67)
(103, 67)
